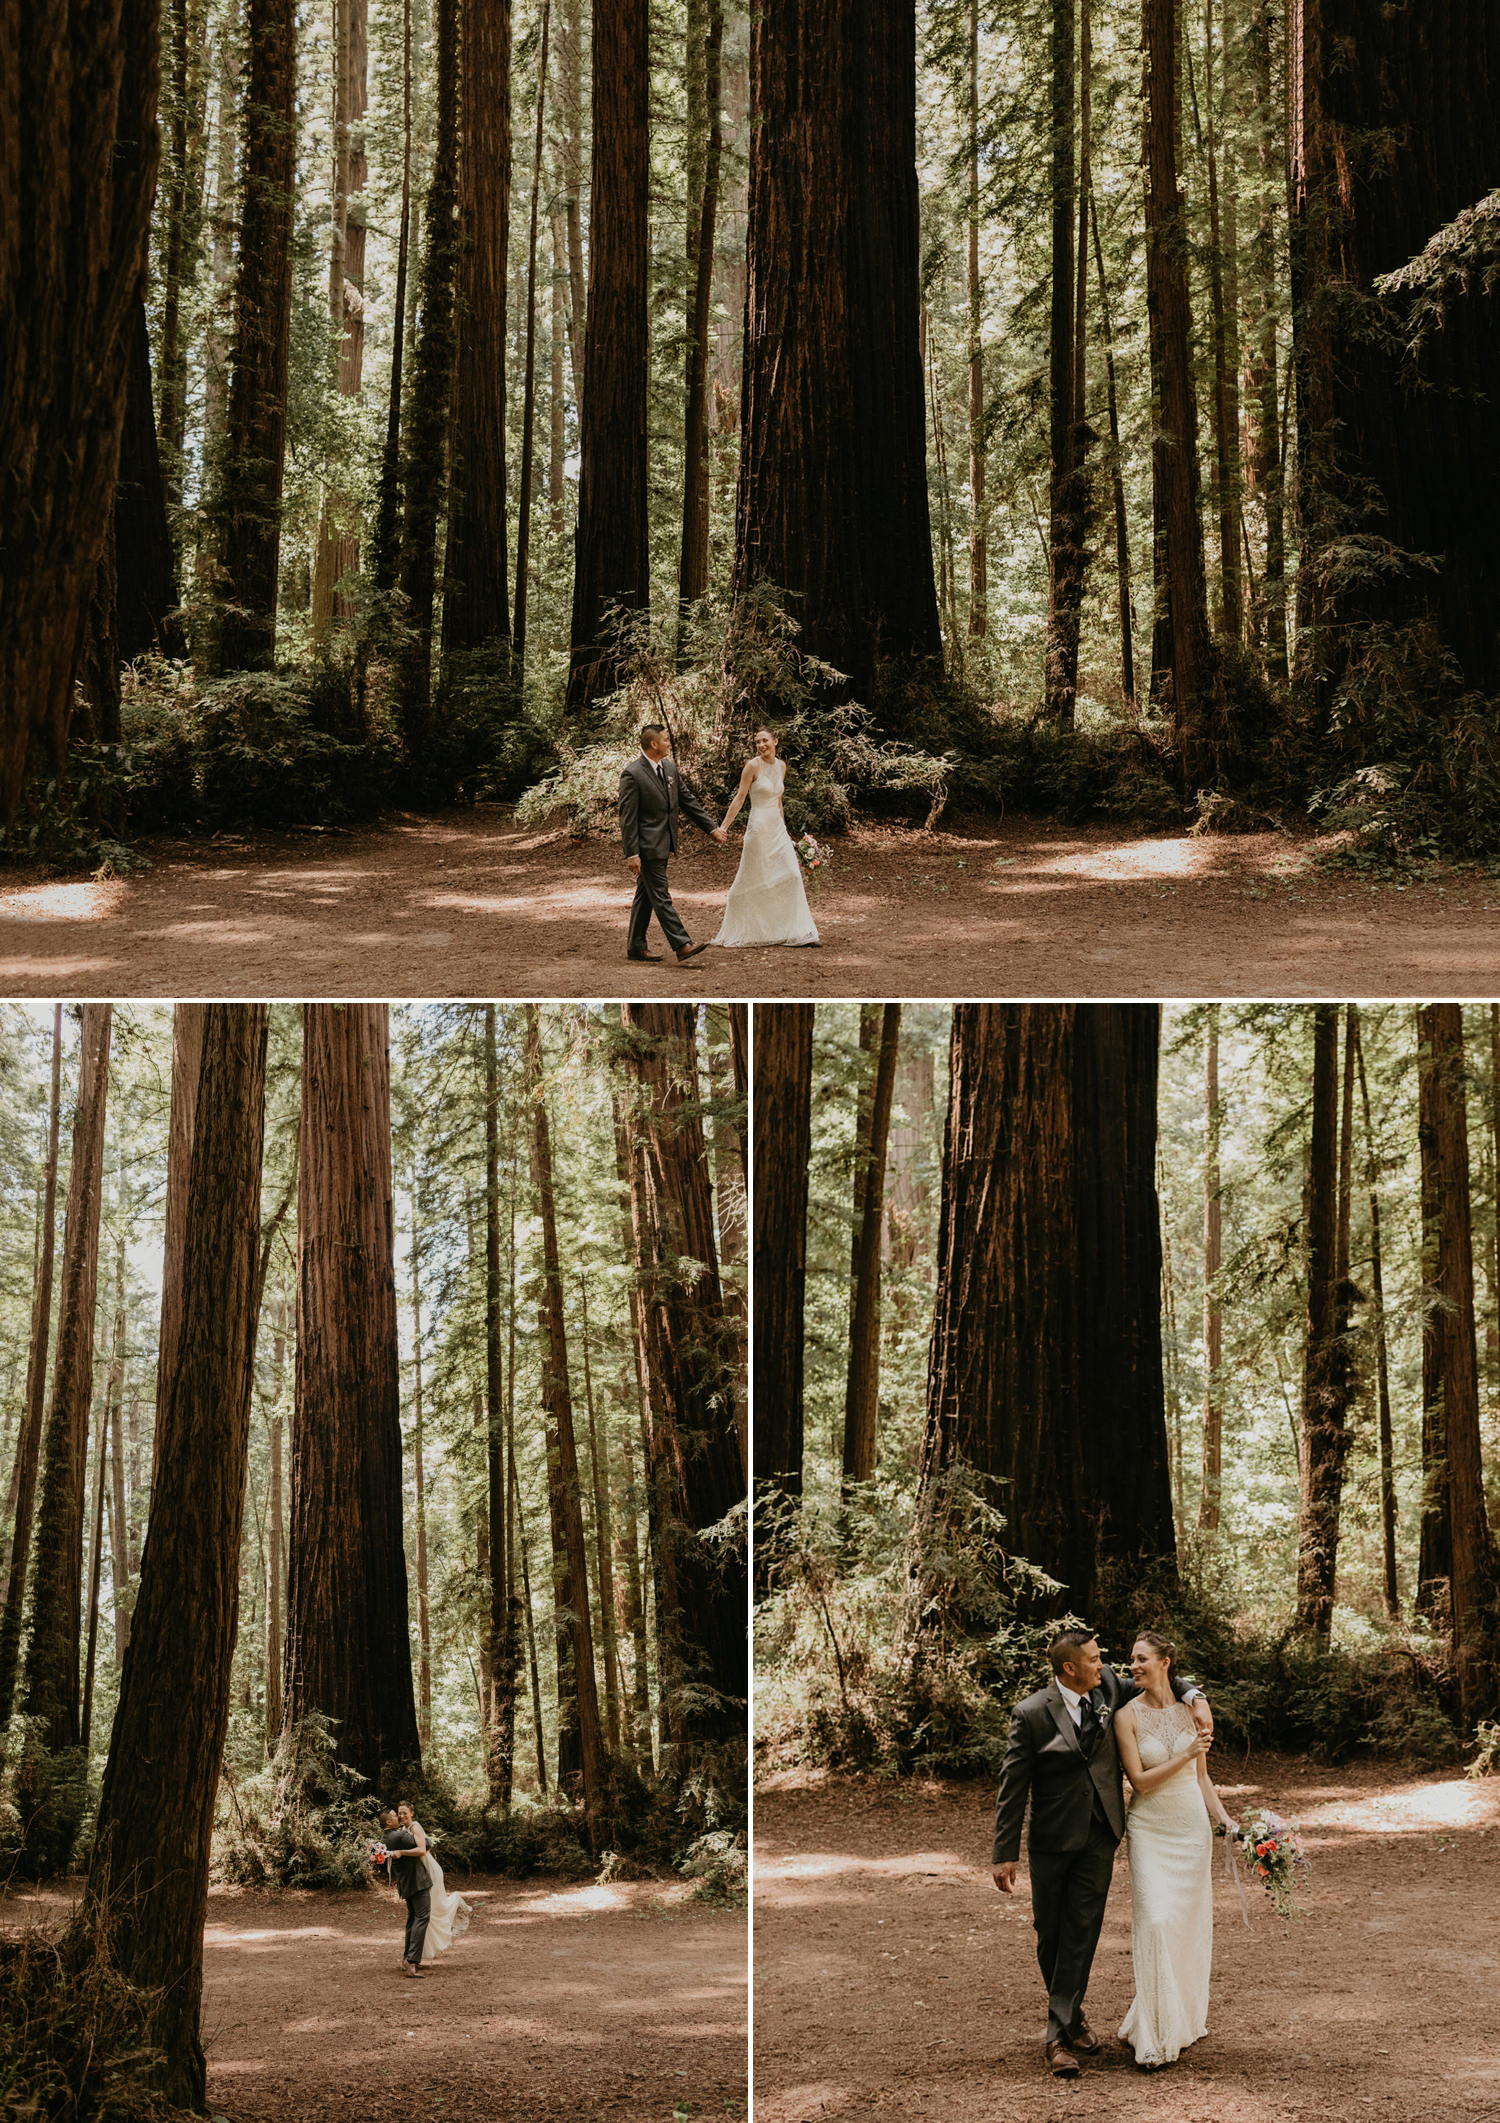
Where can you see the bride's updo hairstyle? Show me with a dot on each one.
(1163, 1647)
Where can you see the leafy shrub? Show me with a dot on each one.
(306, 1820)
(1487, 1740)
(255, 748)
(720, 1865)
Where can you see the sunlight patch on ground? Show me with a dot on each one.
(76, 901)
(825, 1864)
(218, 1935)
(1455, 1803)
(1146, 858)
(579, 1899)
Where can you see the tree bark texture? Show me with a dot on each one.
(148, 1874)
(783, 1147)
(611, 543)
(862, 1386)
(254, 452)
(188, 1021)
(502, 1648)
(1213, 1307)
(696, 1475)
(831, 348)
(146, 608)
(28, 1446)
(528, 388)
(1455, 1529)
(1327, 1373)
(692, 566)
(1045, 1371)
(1069, 474)
(476, 593)
(77, 174)
(347, 1641)
(1382, 1359)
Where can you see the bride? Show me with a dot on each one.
(1170, 1842)
(767, 903)
(450, 1912)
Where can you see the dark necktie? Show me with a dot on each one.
(661, 775)
(1090, 1730)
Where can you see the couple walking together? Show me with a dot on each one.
(435, 1916)
(767, 903)
(1067, 1747)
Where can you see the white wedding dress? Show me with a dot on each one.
(450, 1914)
(1170, 1841)
(767, 902)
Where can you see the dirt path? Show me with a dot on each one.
(625, 2004)
(892, 1981)
(469, 904)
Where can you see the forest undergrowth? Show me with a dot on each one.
(897, 1654)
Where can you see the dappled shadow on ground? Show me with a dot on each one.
(893, 1982)
(470, 904)
(615, 2003)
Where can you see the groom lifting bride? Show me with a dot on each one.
(1068, 1747)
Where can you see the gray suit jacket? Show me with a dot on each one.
(1043, 1758)
(649, 813)
(409, 1875)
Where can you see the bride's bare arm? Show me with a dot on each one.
(421, 1835)
(1142, 1779)
(1211, 1797)
(740, 794)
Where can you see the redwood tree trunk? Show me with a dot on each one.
(49, 1686)
(148, 1874)
(347, 1639)
(575, 1640)
(188, 1020)
(1213, 1308)
(1455, 1529)
(1046, 1365)
(76, 182)
(692, 567)
(254, 454)
(1327, 1374)
(783, 1147)
(612, 544)
(146, 611)
(1065, 543)
(862, 1389)
(29, 1444)
(476, 596)
(696, 1474)
(275, 1566)
(1382, 1362)
(502, 1649)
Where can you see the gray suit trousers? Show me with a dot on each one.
(418, 1910)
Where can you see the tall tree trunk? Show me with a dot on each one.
(424, 1627)
(570, 171)
(275, 1567)
(119, 1559)
(528, 400)
(703, 207)
(603, 1535)
(612, 545)
(575, 1643)
(831, 357)
(249, 480)
(424, 439)
(221, 224)
(695, 1471)
(1327, 1373)
(536, 1678)
(633, 1611)
(146, 608)
(188, 1020)
(476, 600)
(1263, 454)
(1226, 366)
(783, 1148)
(862, 1389)
(96, 1557)
(28, 1446)
(337, 548)
(1456, 1540)
(1382, 1361)
(978, 529)
(348, 1651)
(386, 538)
(148, 1873)
(1213, 1303)
(557, 406)
(49, 1797)
(75, 200)
(1046, 1367)
(500, 1763)
(1174, 445)
(1117, 478)
(1065, 543)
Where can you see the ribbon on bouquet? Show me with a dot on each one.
(1234, 1874)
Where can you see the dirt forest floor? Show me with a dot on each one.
(468, 903)
(893, 1982)
(618, 2004)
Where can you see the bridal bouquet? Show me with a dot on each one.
(1274, 1850)
(809, 854)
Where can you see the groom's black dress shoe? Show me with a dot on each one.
(1084, 2042)
(645, 958)
(1061, 2061)
(691, 952)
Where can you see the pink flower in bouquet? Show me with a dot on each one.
(809, 853)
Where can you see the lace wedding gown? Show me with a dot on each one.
(1171, 1845)
(767, 902)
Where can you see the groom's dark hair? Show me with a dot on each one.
(650, 730)
(1066, 1645)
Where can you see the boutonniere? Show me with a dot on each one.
(1104, 1712)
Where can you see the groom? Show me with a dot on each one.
(652, 797)
(1061, 1751)
(410, 1879)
